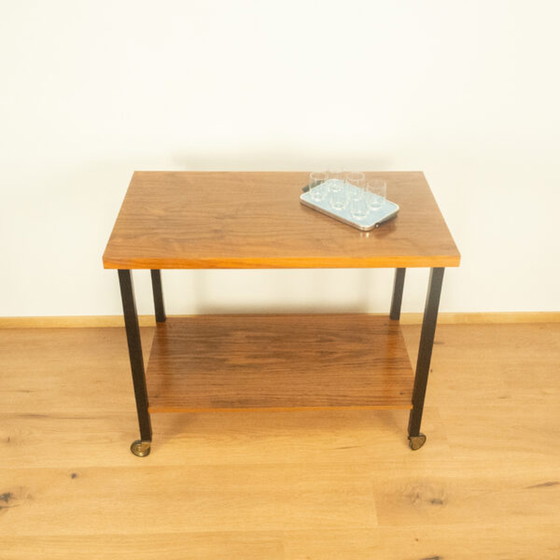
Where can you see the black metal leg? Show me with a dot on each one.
(158, 296)
(398, 286)
(417, 439)
(140, 447)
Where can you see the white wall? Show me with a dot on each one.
(92, 90)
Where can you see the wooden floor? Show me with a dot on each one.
(283, 485)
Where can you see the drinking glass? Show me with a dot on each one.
(338, 197)
(358, 204)
(317, 189)
(356, 178)
(376, 193)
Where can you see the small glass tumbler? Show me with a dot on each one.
(338, 196)
(317, 188)
(376, 193)
(356, 178)
(338, 199)
(358, 204)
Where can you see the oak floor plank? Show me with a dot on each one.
(479, 495)
(189, 499)
(492, 364)
(58, 440)
(426, 542)
(511, 542)
(171, 546)
(515, 433)
(68, 371)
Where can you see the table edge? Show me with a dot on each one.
(284, 263)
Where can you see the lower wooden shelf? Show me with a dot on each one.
(241, 362)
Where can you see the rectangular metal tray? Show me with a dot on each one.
(373, 219)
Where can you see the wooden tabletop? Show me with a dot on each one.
(173, 220)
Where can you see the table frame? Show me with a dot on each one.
(142, 446)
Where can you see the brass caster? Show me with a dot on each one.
(416, 442)
(141, 448)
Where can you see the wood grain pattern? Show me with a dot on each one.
(422, 542)
(321, 485)
(255, 220)
(257, 545)
(231, 362)
(247, 497)
(23, 349)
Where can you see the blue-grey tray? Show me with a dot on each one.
(323, 203)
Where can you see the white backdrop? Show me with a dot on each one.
(468, 92)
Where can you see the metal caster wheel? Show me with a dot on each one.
(416, 442)
(141, 448)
